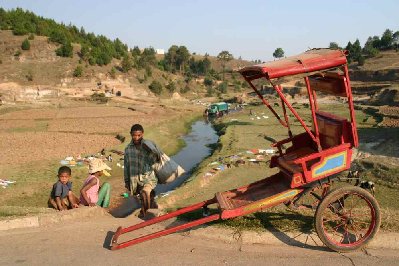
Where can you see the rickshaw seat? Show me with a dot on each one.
(333, 131)
(287, 160)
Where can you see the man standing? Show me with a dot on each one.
(139, 175)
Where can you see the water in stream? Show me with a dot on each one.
(202, 134)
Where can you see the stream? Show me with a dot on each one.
(195, 150)
(202, 134)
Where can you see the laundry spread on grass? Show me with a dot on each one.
(84, 161)
(4, 183)
(249, 157)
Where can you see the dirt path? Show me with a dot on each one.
(84, 243)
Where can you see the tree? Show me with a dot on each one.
(126, 64)
(170, 59)
(155, 87)
(58, 36)
(386, 39)
(147, 58)
(100, 50)
(224, 57)
(84, 52)
(19, 29)
(278, 53)
(395, 39)
(176, 58)
(136, 51)
(206, 64)
(66, 50)
(369, 50)
(25, 45)
(120, 49)
(349, 48)
(334, 45)
(356, 50)
(376, 42)
(182, 57)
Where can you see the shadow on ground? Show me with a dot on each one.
(127, 207)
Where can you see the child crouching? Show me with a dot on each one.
(91, 193)
(62, 197)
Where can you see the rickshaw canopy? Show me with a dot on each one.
(301, 65)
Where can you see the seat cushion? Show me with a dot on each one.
(286, 161)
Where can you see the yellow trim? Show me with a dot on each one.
(326, 159)
(280, 197)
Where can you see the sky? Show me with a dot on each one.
(250, 29)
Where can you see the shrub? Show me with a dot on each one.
(210, 91)
(208, 81)
(185, 89)
(222, 87)
(112, 73)
(25, 45)
(78, 71)
(99, 97)
(148, 71)
(29, 76)
(66, 50)
(31, 36)
(17, 53)
(360, 61)
(171, 86)
(155, 87)
(237, 87)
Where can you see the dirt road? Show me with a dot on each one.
(85, 243)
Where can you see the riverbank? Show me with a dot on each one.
(243, 134)
(34, 133)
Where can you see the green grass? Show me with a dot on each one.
(241, 133)
(7, 212)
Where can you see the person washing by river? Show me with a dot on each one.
(139, 176)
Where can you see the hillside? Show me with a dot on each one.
(39, 74)
(39, 71)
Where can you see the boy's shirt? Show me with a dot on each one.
(61, 190)
(138, 161)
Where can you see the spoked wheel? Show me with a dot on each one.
(347, 218)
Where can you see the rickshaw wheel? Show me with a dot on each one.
(347, 218)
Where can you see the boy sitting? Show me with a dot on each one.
(62, 197)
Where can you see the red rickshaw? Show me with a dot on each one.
(347, 217)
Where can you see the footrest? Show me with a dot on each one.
(224, 202)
